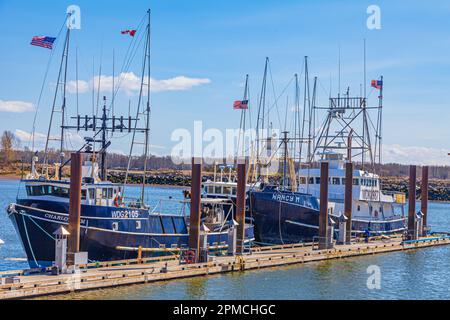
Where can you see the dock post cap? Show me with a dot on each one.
(242, 160)
(61, 231)
(197, 160)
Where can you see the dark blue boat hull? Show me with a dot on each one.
(136, 227)
(283, 217)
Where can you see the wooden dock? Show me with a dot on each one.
(119, 273)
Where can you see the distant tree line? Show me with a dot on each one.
(11, 154)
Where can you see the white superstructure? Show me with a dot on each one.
(369, 202)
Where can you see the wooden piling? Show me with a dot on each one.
(424, 199)
(348, 200)
(73, 243)
(195, 215)
(323, 218)
(139, 254)
(240, 204)
(412, 201)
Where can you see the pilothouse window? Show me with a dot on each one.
(46, 190)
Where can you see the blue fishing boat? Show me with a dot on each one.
(113, 226)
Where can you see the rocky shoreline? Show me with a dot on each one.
(439, 190)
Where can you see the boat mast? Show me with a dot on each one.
(243, 119)
(260, 123)
(306, 105)
(61, 74)
(147, 109)
(379, 124)
(296, 117)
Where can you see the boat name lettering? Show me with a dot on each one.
(62, 218)
(285, 197)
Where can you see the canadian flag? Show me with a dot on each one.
(130, 32)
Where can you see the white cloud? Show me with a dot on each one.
(26, 136)
(16, 106)
(73, 140)
(130, 83)
(415, 155)
(83, 86)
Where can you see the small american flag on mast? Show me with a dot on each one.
(240, 105)
(44, 42)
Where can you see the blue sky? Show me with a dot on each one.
(222, 41)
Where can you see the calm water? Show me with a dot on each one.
(421, 274)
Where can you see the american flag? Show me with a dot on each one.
(377, 84)
(44, 42)
(240, 105)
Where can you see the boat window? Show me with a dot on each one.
(343, 181)
(91, 194)
(311, 180)
(376, 183)
(317, 180)
(218, 190)
(59, 192)
(83, 194)
(336, 181)
(234, 190)
(210, 189)
(302, 180)
(37, 191)
(359, 208)
(110, 193)
(356, 182)
(226, 190)
(104, 193)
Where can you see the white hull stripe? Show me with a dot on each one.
(302, 224)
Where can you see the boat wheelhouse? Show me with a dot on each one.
(370, 205)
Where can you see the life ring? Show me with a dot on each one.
(190, 257)
(118, 201)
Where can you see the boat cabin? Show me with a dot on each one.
(93, 190)
(366, 185)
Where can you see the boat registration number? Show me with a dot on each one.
(125, 214)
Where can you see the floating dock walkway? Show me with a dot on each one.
(141, 271)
